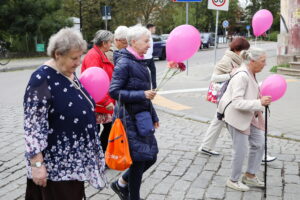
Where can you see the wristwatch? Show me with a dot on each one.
(37, 164)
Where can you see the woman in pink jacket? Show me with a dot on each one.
(242, 107)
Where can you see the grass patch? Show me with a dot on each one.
(274, 68)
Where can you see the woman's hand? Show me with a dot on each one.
(150, 94)
(266, 100)
(156, 124)
(39, 175)
(110, 106)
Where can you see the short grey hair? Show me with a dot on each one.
(64, 40)
(102, 36)
(121, 32)
(136, 32)
(253, 53)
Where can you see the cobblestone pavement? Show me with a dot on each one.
(179, 173)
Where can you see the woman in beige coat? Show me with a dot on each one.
(222, 72)
(242, 107)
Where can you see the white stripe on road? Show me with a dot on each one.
(203, 89)
(183, 91)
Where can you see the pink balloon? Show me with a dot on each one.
(95, 80)
(261, 22)
(274, 86)
(183, 42)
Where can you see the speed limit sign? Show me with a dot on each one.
(218, 4)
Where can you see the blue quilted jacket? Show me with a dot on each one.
(130, 79)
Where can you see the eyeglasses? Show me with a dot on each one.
(123, 41)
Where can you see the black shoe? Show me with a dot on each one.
(121, 192)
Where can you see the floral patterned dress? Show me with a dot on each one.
(59, 121)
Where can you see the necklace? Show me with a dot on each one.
(75, 83)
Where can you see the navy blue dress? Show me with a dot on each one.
(59, 121)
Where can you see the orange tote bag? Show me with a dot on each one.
(117, 155)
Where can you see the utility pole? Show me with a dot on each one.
(80, 16)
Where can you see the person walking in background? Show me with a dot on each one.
(120, 35)
(62, 146)
(222, 72)
(149, 57)
(120, 42)
(96, 58)
(242, 107)
(224, 69)
(131, 84)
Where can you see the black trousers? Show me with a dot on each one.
(151, 66)
(55, 190)
(133, 176)
(104, 135)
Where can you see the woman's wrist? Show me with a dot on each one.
(38, 158)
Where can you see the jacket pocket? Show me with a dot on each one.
(144, 123)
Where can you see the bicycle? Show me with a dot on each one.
(4, 53)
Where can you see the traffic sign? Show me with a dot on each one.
(187, 0)
(248, 27)
(106, 13)
(218, 5)
(40, 47)
(225, 24)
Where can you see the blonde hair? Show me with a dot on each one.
(65, 40)
(253, 53)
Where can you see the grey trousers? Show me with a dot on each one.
(240, 148)
(212, 133)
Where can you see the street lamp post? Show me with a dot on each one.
(80, 15)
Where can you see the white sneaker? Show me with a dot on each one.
(269, 158)
(208, 152)
(237, 186)
(255, 182)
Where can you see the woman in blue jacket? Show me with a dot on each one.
(131, 85)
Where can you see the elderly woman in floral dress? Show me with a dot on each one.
(62, 147)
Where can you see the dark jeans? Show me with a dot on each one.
(133, 176)
(55, 190)
(104, 135)
(151, 66)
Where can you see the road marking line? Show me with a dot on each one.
(183, 91)
(164, 102)
(292, 80)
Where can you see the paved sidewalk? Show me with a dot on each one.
(181, 172)
(23, 63)
(284, 118)
(283, 122)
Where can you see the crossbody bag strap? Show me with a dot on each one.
(226, 89)
(121, 106)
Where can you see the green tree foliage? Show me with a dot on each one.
(24, 22)
(272, 5)
(233, 16)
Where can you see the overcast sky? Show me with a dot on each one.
(242, 2)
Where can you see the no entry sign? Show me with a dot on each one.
(218, 4)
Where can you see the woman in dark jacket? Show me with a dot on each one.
(131, 84)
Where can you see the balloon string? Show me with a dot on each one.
(255, 41)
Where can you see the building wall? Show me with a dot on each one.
(289, 43)
(294, 27)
